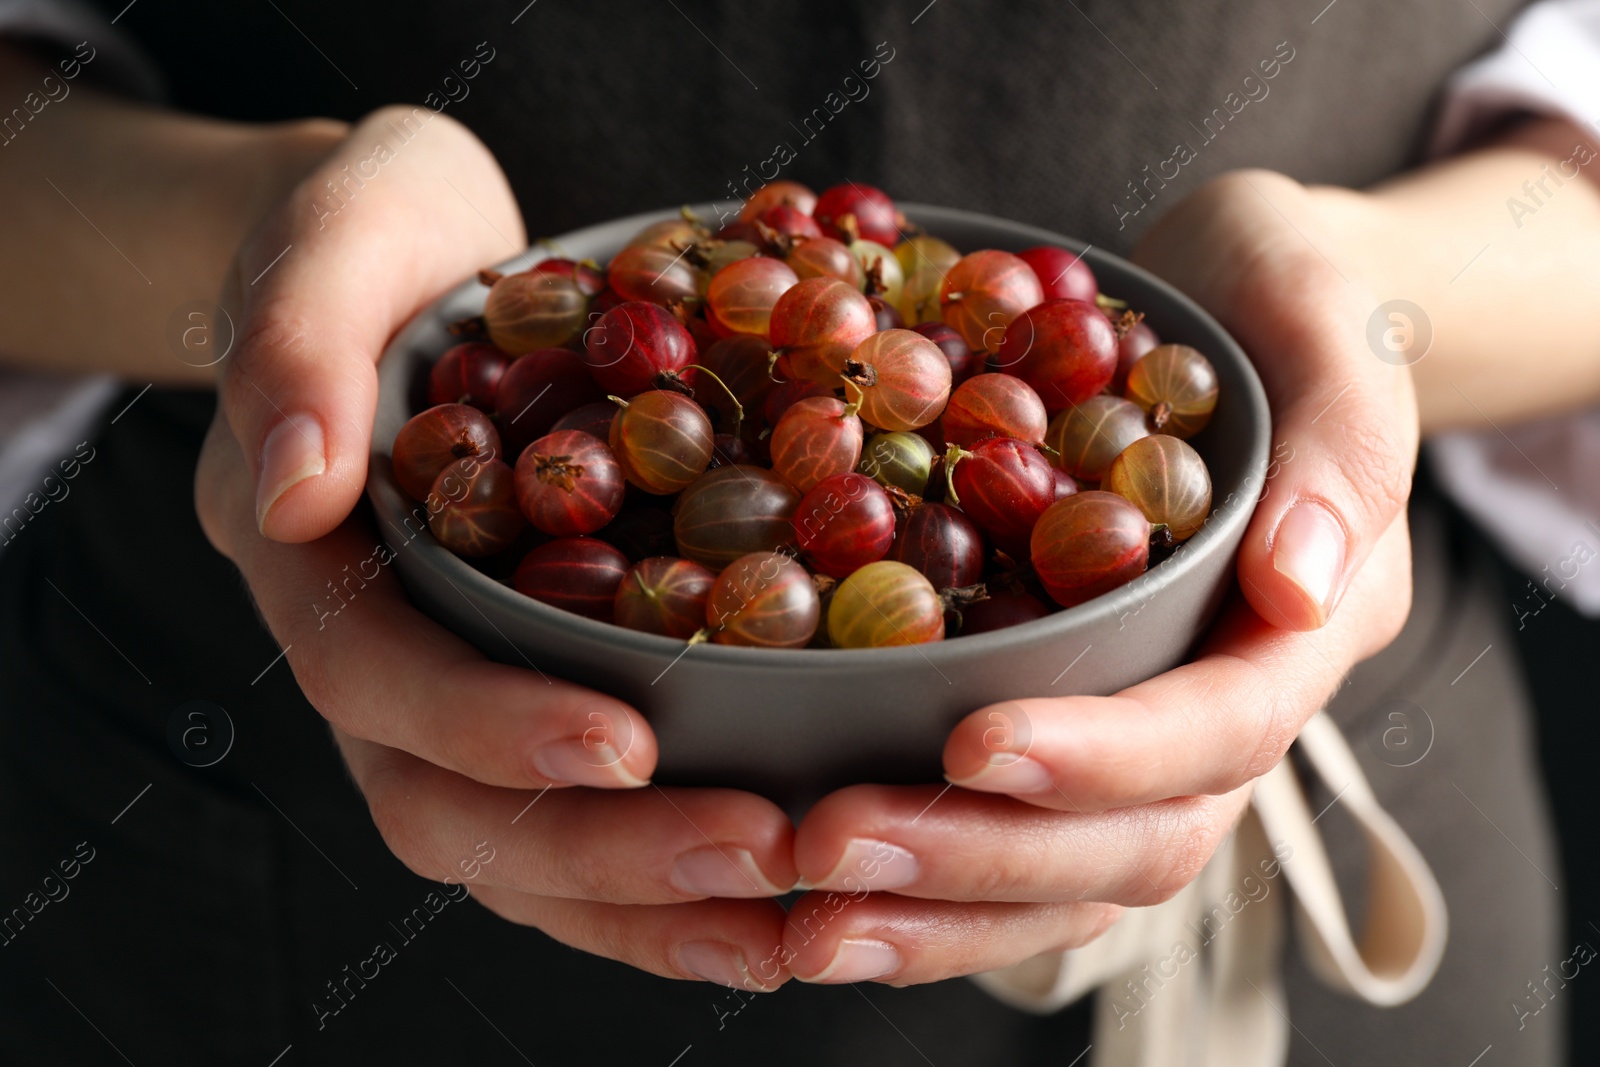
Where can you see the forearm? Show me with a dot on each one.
(1510, 294)
(122, 213)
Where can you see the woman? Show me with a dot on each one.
(248, 869)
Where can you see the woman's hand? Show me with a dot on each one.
(1121, 800)
(448, 748)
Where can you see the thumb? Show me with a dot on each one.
(1252, 247)
(408, 204)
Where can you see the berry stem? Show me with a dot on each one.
(489, 277)
(854, 407)
(953, 455)
(738, 408)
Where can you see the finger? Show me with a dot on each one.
(409, 204)
(1206, 727)
(734, 943)
(832, 938)
(650, 846)
(379, 669)
(1344, 421)
(962, 846)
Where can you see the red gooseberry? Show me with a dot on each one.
(763, 600)
(742, 293)
(665, 596)
(576, 574)
(663, 441)
(1065, 349)
(1089, 544)
(850, 211)
(1003, 485)
(468, 374)
(983, 292)
(731, 512)
(844, 522)
(431, 440)
(473, 507)
(569, 483)
(815, 326)
(633, 344)
(993, 405)
(538, 389)
(816, 439)
(900, 378)
(1064, 275)
(772, 194)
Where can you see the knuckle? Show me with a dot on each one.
(1376, 462)
(1182, 843)
(402, 832)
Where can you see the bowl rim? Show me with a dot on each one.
(1226, 518)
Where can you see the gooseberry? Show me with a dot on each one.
(963, 364)
(665, 596)
(815, 326)
(901, 378)
(815, 439)
(569, 483)
(1167, 480)
(663, 441)
(1086, 438)
(940, 542)
(1089, 544)
(633, 344)
(433, 439)
(772, 194)
(742, 293)
(473, 507)
(468, 374)
(993, 405)
(733, 511)
(851, 211)
(1177, 386)
(656, 274)
(1064, 275)
(1065, 349)
(538, 389)
(885, 604)
(528, 311)
(823, 257)
(1003, 485)
(983, 292)
(576, 574)
(901, 460)
(763, 600)
(844, 522)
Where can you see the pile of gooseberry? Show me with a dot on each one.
(815, 427)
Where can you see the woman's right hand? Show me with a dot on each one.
(449, 749)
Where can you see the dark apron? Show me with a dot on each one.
(206, 925)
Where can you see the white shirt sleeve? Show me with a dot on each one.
(42, 416)
(1533, 487)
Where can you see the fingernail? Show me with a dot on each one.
(877, 864)
(719, 963)
(722, 871)
(292, 452)
(1005, 773)
(1308, 549)
(858, 961)
(575, 763)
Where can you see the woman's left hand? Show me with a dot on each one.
(1120, 801)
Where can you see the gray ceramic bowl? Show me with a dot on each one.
(793, 724)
